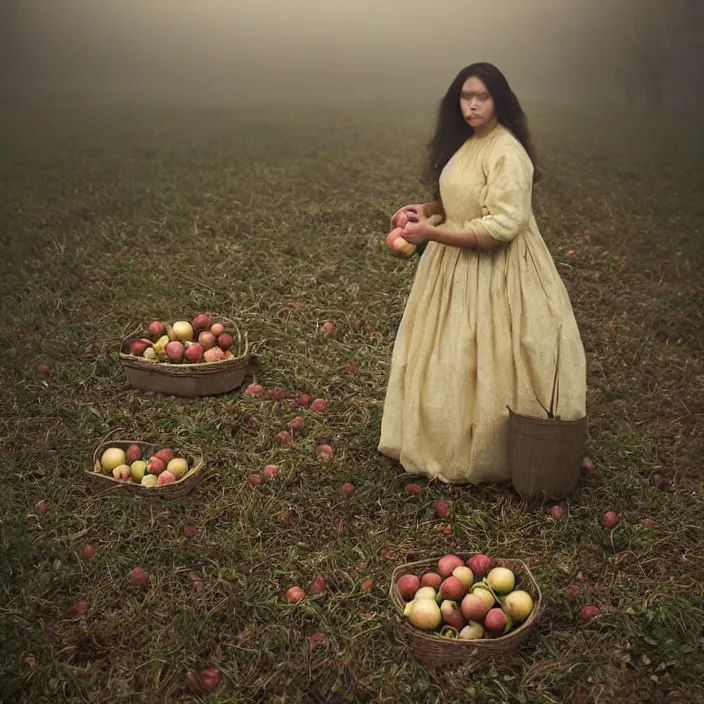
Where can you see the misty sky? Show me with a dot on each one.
(547, 48)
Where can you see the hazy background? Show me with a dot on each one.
(646, 53)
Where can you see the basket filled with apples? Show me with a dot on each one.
(464, 607)
(145, 468)
(201, 357)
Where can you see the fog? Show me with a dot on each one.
(405, 51)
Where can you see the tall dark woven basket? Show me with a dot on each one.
(545, 454)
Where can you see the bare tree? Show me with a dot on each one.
(645, 38)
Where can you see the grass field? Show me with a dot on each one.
(114, 215)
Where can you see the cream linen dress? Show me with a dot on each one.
(481, 330)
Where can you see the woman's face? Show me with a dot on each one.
(476, 103)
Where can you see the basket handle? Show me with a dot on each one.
(112, 432)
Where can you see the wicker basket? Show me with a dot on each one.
(101, 483)
(190, 380)
(545, 454)
(436, 650)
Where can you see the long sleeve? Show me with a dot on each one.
(507, 208)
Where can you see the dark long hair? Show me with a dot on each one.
(452, 130)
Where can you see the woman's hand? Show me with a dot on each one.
(413, 211)
(418, 232)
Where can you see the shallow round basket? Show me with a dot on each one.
(186, 379)
(100, 482)
(433, 649)
(545, 454)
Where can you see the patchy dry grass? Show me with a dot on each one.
(111, 216)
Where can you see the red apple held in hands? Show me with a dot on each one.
(133, 453)
(610, 519)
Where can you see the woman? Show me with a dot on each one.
(488, 322)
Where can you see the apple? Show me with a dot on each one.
(214, 354)
(294, 594)
(225, 340)
(138, 347)
(610, 519)
(134, 452)
(206, 340)
(347, 489)
(464, 574)
(202, 321)
(328, 328)
(156, 329)
(122, 472)
(138, 469)
(165, 478)
(453, 589)
(407, 586)
(155, 465)
(149, 480)
(443, 509)
(318, 405)
(431, 579)
(139, 577)
(270, 471)
(412, 489)
(183, 331)
(174, 350)
(194, 352)
(303, 399)
(111, 458)
(178, 467)
(324, 452)
(217, 329)
(166, 454)
(88, 551)
(318, 586)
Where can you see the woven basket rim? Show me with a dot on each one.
(184, 369)
(187, 479)
(457, 643)
(550, 421)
